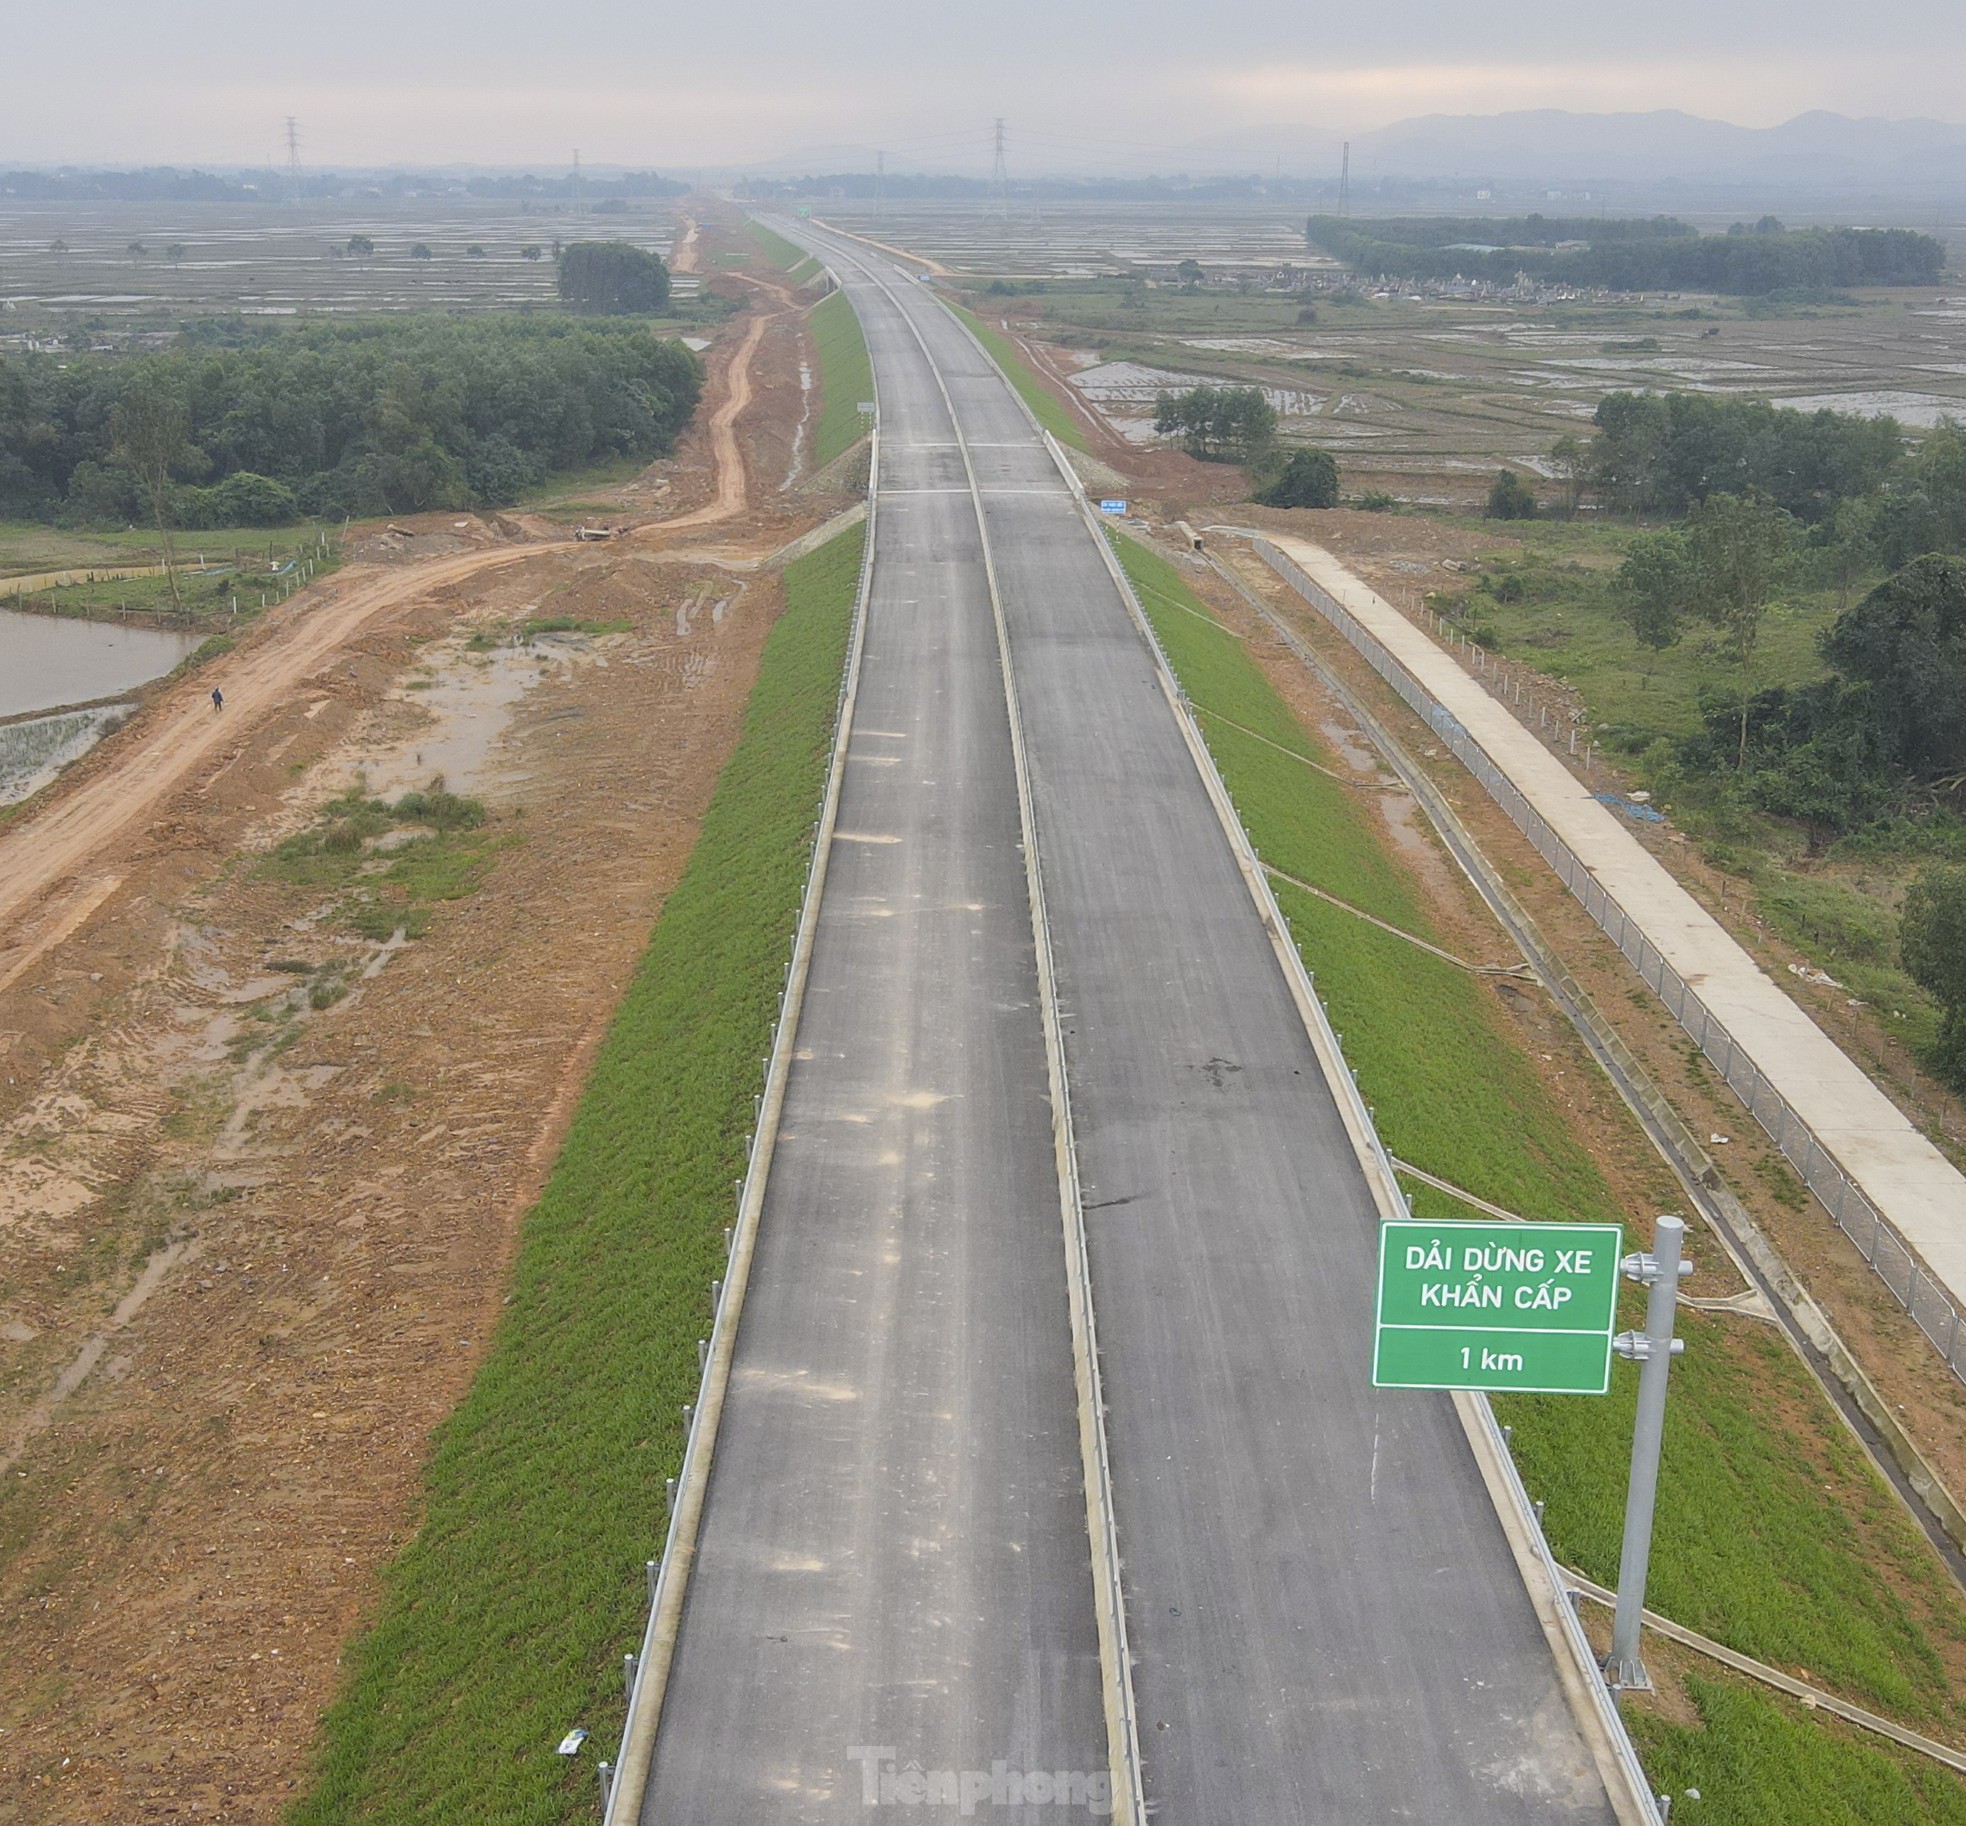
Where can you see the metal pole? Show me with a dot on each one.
(1653, 1349)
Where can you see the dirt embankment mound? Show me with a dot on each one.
(269, 1119)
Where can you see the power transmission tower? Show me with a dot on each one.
(576, 180)
(293, 159)
(1000, 177)
(1345, 182)
(880, 185)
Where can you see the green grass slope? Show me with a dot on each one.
(504, 1621)
(845, 378)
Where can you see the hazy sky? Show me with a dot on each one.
(733, 81)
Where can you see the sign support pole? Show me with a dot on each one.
(1653, 1349)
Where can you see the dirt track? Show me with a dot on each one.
(180, 732)
(250, 1247)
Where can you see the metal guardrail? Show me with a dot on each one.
(1889, 1255)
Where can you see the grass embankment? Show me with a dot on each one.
(845, 378)
(1774, 1534)
(504, 1621)
(794, 262)
(1046, 407)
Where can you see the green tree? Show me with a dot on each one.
(1570, 459)
(1932, 943)
(1510, 498)
(1308, 479)
(613, 278)
(1189, 272)
(1741, 547)
(1907, 641)
(1218, 424)
(1653, 590)
(1831, 783)
(151, 427)
(421, 251)
(360, 247)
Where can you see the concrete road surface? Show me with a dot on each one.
(1328, 1623)
(894, 1555)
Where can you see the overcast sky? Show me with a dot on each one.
(736, 81)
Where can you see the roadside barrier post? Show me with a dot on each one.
(1653, 1350)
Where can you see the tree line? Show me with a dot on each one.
(391, 415)
(1652, 255)
(1767, 504)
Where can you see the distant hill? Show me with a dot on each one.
(1552, 145)
(1664, 150)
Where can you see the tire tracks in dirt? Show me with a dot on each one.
(49, 886)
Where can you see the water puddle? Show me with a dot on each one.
(468, 697)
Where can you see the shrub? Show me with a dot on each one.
(1308, 479)
(1932, 941)
(1511, 498)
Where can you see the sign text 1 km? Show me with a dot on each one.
(1497, 1306)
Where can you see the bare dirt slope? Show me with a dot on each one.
(260, 1173)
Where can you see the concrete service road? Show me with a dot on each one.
(894, 1554)
(1327, 1619)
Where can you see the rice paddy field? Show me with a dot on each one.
(67, 263)
(1418, 394)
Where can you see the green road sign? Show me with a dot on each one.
(1497, 1306)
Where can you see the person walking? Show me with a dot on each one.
(218, 698)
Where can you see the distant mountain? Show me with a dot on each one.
(1551, 145)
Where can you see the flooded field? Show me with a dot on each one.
(1416, 395)
(46, 660)
(165, 261)
(1085, 240)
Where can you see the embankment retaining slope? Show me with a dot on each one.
(1874, 1172)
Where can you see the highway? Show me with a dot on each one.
(894, 1550)
(1327, 1619)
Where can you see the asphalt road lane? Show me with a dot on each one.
(1327, 1619)
(894, 1555)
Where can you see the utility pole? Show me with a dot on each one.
(1000, 177)
(1653, 1349)
(1345, 181)
(293, 159)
